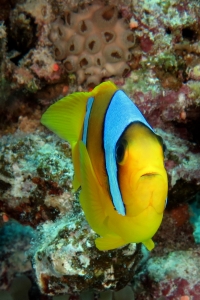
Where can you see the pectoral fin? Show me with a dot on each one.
(91, 196)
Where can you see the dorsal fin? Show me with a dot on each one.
(65, 117)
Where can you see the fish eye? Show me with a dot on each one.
(120, 150)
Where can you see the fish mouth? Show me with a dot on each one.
(153, 182)
(150, 174)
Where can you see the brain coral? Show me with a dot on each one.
(92, 42)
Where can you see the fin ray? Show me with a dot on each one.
(65, 117)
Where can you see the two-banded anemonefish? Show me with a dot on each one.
(118, 161)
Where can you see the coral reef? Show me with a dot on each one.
(32, 174)
(67, 261)
(93, 43)
(2, 64)
(35, 166)
(174, 276)
(35, 187)
(182, 166)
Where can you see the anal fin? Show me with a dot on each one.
(109, 242)
(149, 244)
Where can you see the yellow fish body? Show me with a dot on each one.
(118, 161)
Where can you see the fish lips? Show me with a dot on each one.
(150, 174)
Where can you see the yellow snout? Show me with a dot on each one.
(149, 189)
(152, 191)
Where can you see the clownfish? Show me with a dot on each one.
(118, 163)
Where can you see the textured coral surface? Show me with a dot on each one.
(48, 49)
(92, 42)
(69, 262)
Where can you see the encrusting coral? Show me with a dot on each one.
(92, 42)
(67, 261)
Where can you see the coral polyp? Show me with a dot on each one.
(91, 42)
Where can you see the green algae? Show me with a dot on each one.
(165, 60)
(195, 90)
(142, 81)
